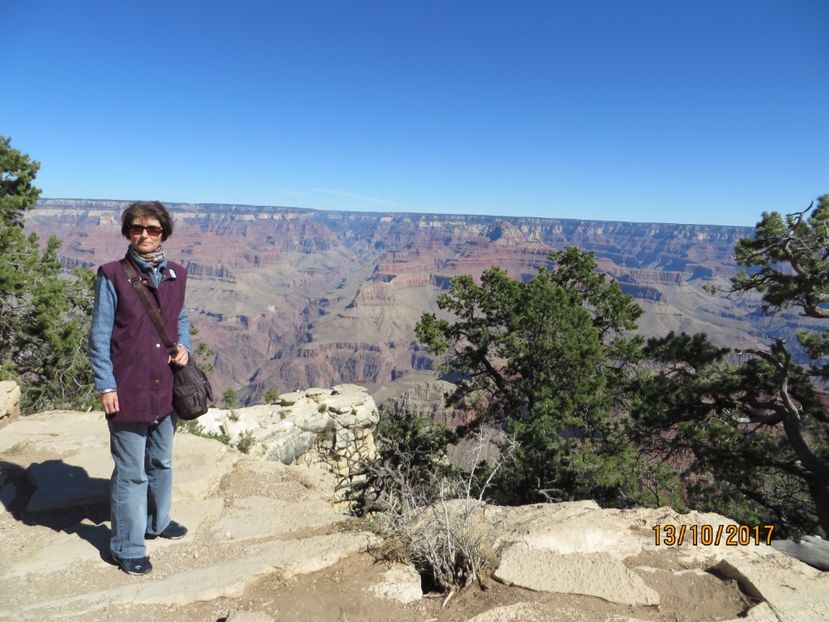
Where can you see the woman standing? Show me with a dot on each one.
(134, 378)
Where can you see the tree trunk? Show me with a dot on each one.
(821, 496)
(818, 471)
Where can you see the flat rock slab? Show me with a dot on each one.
(192, 513)
(535, 612)
(758, 613)
(400, 583)
(309, 418)
(40, 550)
(318, 392)
(289, 399)
(573, 527)
(342, 389)
(344, 403)
(362, 415)
(794, 591)
(65, 456)
(249, 616)
(78, 472)
(225, 579)
(255, 517)
(199, 465)
(589, 574)
(59, 432)
(314, 480)
(519, 612)
(812, 550)
(79, 479)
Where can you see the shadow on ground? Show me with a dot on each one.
(68, 501)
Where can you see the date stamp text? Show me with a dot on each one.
(712, 535)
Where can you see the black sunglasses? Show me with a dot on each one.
(152, 230)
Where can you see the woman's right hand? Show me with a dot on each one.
(109, 401)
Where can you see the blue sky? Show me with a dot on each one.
(690, 111)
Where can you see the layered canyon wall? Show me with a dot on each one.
(290, 297)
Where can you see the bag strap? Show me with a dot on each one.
(153, 310)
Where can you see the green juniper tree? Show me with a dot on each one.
(749, 430)
(545, 360)
(17, 190)
(203, 354)
(230, 398)
(44, 311)
(410, 462)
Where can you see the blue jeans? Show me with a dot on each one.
(142, 483)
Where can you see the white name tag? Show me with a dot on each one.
(171, 272)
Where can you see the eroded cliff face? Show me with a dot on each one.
(289, 297)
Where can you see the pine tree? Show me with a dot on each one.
(545, 361)
(750, 429)
(44, 311)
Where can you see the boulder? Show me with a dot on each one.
(9, 401)
(317, 426)
(794, 591)
(289, 399)
(812, 550)
(401, 583)
(590, 574)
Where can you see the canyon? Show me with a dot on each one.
(289, 297)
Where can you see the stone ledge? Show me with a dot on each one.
(10, 397)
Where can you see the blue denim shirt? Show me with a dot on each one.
(103, 319)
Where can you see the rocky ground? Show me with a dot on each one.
(267, 543)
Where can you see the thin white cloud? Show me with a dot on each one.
(352, 195)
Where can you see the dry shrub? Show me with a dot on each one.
(434, 521)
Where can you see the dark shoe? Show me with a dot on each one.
(173, 531)
(135, 566)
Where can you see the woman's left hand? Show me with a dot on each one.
(181, 357)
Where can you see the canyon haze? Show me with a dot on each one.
(292, 298)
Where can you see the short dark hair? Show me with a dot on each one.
(147, 209)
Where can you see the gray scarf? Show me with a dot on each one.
(153, 258)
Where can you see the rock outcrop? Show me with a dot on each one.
(810, 549)
(9, 401)
(428, 399)
(614, 555)
(268, 542)
(248, 520)
(331, 427)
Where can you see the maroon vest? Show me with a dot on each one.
(139, 358)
